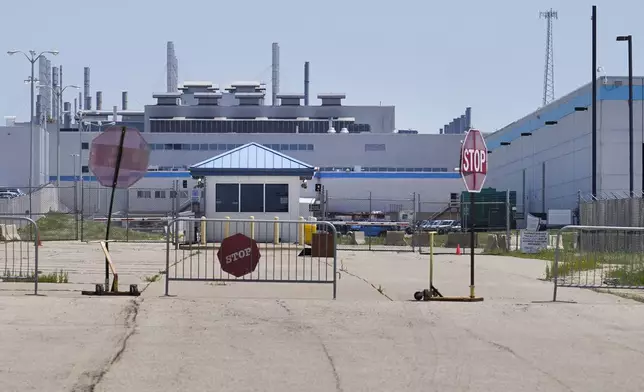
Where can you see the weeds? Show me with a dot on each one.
(61, 276)
(153, 278)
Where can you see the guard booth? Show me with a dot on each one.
(252, 181)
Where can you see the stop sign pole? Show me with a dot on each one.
(473, 170)
(117, 169)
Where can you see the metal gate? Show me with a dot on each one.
(19, 238)
(598, 257)
(250, 250)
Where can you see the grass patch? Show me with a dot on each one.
(56, 226)
(153, 278)
(61, 276)
(628, 275)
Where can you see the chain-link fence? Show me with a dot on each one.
(611, 209)
(79, 211)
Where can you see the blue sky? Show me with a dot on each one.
(430, 59)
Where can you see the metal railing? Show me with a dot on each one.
(19, 238)
(598, 257)
(251, 250)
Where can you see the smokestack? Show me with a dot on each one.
(468, 117)
(276, 74)
(306, 83)
(124, 100)
(80, 101)
(172, 68)
(88, 98)
(99, 100)
(67, 116)
(75, 106)
(54, 96)
(38, 109)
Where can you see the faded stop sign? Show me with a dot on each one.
(474, 161)
(238, 255)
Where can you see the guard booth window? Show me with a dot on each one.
(252, 198)
(276, 199)
(227, 197)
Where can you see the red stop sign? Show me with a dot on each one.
(474, 161)
(238, 255)
(104, 153)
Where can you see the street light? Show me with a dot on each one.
(32, 56)
(629, 39)
(58, 93)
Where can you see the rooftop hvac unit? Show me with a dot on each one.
(10, 121)
(331, 130)
(344, 130)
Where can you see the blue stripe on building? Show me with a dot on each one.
(388, 175)
(606, 93)
(372, 175)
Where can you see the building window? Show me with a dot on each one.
(276, 199)
(227, 197)
(85, 146)
(374, 147)
(252, 198)
(144, 194)
(85, 169)
(159, 194)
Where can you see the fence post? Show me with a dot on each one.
(252, 227)
(227, 227)
(431, 262)
(202, 229)
(508, 208)
(276, 231)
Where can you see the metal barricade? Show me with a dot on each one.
(19, 238)
(251, 250)
(598, 257)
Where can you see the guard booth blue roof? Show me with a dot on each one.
(252, 159)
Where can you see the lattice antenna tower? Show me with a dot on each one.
(549, 71)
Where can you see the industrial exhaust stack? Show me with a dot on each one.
(275, 74)
(99, 100)
(88, 98)
(124, 100)
(306, 83)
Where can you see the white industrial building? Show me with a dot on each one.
(361, 160)
(546, 157)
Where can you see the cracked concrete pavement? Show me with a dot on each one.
(279, 337)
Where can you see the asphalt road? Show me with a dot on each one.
(283, 337)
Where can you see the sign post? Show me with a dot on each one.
(118, 158)
(473, 170)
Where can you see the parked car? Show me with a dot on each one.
(456, 227)
(7, 195)
(430, 225)
(15, 191)
(445, 226)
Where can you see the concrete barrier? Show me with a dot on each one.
(420, 239)
(357, 237)
(395, 238)
(462, 239)
(9, 233)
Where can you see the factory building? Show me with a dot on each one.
(546, 157)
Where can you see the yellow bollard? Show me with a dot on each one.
(431, 262)
(227, 228)
(252, 227)
(203, 230)
(300, 231)
(276, 231)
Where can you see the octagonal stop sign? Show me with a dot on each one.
(103, 156)
(474, 161)
(238, 255)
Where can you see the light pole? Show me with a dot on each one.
(32, 56)
(629, 39)
(58, 94)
